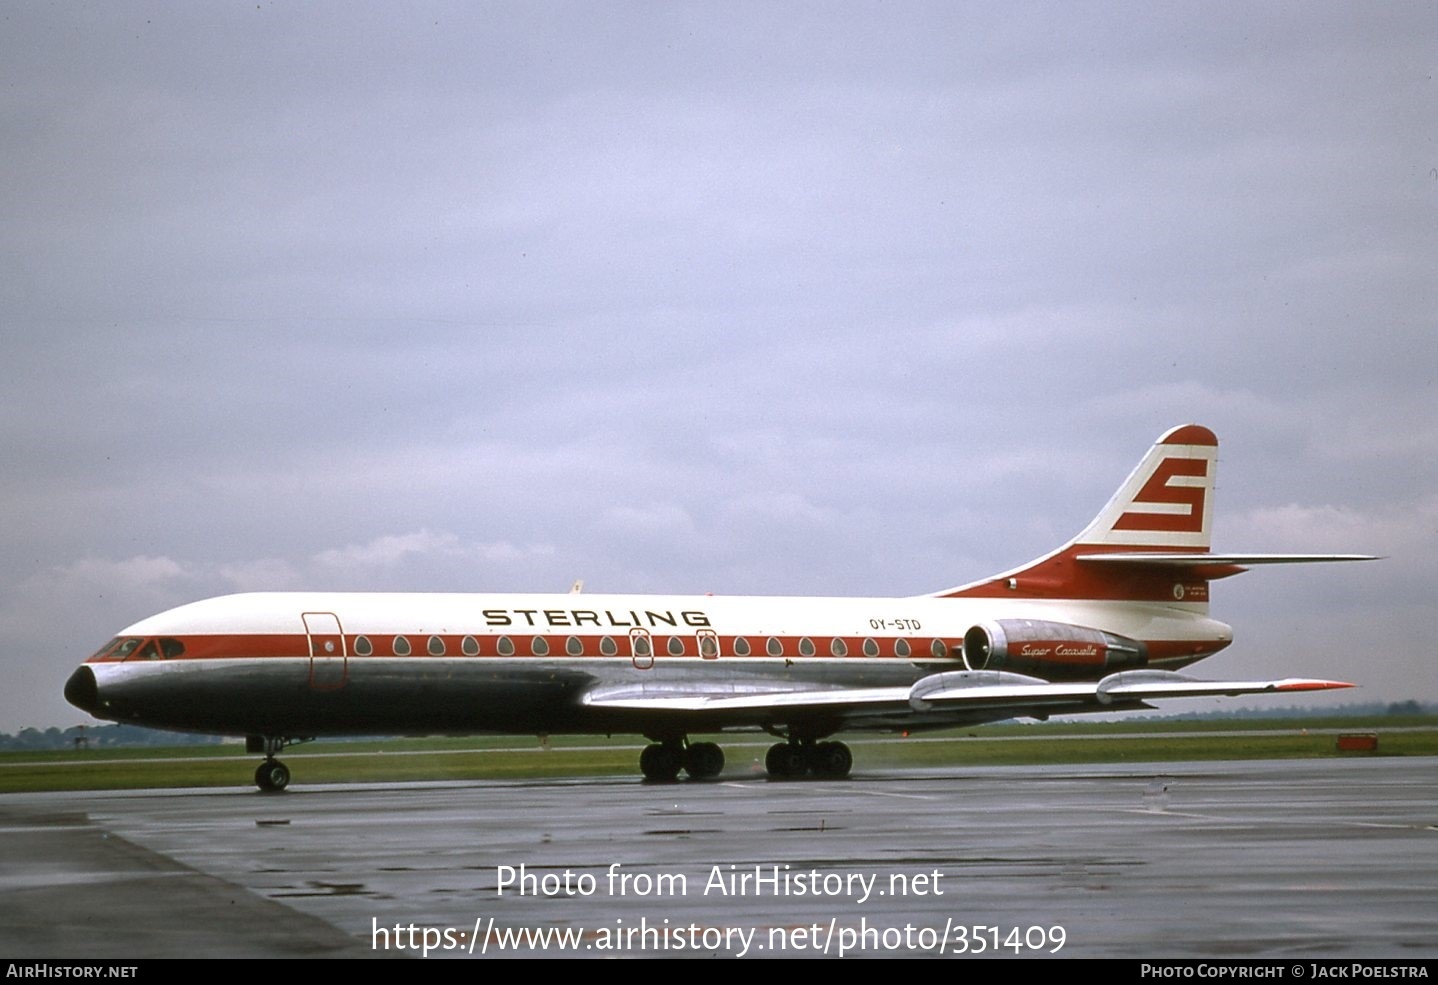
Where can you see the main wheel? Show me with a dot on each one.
(703, 760)
(831, 759)
(272, 776)
(785, 760)
(661, 762)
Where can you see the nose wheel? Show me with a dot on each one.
(272, 776)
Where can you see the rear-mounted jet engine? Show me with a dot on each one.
(1054, 650)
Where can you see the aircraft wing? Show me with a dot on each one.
(955, 697)
(966, 686)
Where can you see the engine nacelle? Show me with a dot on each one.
(1053, 650)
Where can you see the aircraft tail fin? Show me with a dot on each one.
(1167, 501)
(1149, 543)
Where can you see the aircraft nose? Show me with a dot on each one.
(82, 691)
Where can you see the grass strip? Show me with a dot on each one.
(509, 758)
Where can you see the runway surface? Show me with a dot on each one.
(1281, 859)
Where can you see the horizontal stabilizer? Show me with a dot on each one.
(1193, 560)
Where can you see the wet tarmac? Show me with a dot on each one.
(1291, 859)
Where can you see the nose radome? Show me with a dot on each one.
(82, 691)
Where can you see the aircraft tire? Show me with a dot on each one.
(785, 760)
(831, 759)
(703, 760)
(272, 776)
(661, 763)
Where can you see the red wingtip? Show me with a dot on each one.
(1314, 685)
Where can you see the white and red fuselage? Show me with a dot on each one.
(331, 663)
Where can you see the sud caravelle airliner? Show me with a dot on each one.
(1101, 624)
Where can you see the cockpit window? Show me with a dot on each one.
(104, 649)
(127, 646)
(139, 648)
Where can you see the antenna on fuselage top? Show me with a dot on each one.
(577, 587)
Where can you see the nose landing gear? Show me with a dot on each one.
(271, 776)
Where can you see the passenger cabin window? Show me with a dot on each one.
(608, 647)
(939, 648)
(539, 646)
(708, 647)
(901, 648)
(469, 646)
(676, 646)
(506, 646)
(573, 646)
(401, 646)
(871, 649)
(741, 646)
(363, 647)
(435, 646)
(774, 648)
(838, 647)
(641, 646)
(806, 647)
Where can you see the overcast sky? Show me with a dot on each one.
(777, 298)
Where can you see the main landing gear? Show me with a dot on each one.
(795, 758)
(271, 776)
(662, 761)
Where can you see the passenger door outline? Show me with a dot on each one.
(329, 657)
